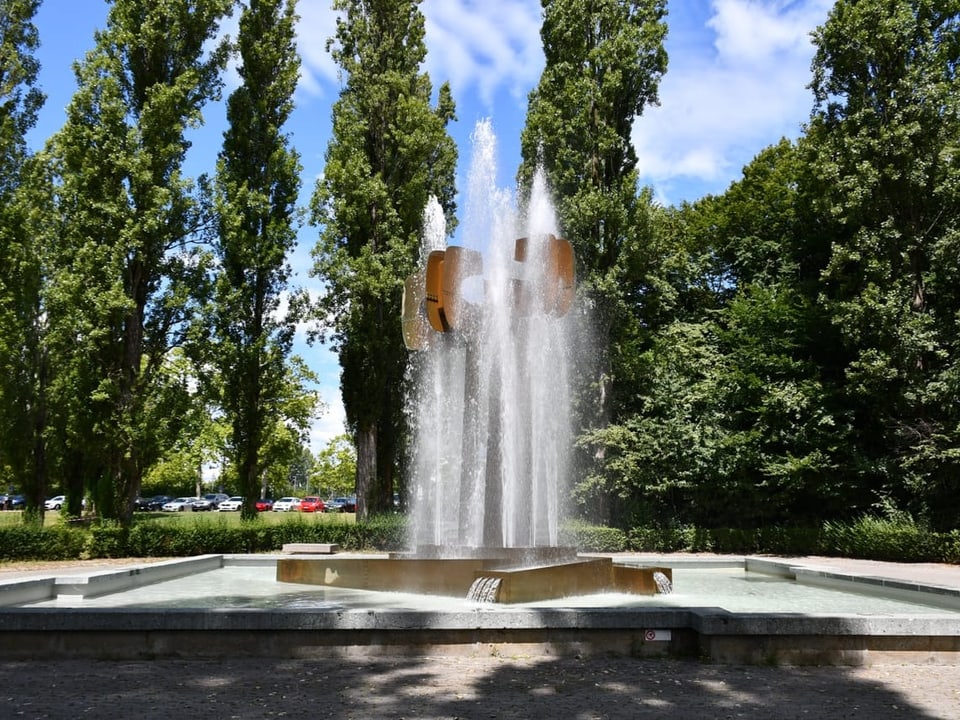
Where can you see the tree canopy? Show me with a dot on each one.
(388, 154)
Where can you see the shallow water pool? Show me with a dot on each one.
(732, 589)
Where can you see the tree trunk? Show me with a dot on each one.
(366, 442)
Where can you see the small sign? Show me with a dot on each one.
(657, 635)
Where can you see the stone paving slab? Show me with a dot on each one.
(592, 688)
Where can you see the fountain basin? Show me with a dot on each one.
(238, 611)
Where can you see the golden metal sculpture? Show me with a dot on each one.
(433, 298)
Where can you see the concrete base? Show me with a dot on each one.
(714, 635)
(710, 634)
(311, 548)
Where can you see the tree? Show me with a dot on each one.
(604, 61)
(258, 181)
(121, 295)
(23, 363)
(389, 152)
(882, 146)
(336, 467)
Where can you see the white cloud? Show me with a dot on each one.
(329, 425)
(480, 46)
(754, 31)
(719, 110)
(483, 46)
(318, 23)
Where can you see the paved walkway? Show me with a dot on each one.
(427, 687)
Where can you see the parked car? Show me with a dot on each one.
(210, 501)
(347, 503)
(286, 504)
(12, 502)
(231, 505)
(180, 504)
(264, 504)
(311, 503)
(332, 505)
(152, 503)
(55, 503)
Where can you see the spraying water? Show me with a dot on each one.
(490, 404)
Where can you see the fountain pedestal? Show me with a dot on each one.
(456, 577)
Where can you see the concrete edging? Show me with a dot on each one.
(713, 633)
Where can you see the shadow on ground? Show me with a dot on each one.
(471, 687)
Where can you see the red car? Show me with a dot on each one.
(311, 503)
(264, 505)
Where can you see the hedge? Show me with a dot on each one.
(869, 538)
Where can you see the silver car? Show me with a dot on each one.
(180, 504)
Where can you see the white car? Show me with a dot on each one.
(180, 504)
(286, 504)
(55, 503)
(231, 505)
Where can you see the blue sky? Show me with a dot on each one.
(736, 83)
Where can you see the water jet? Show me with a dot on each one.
(489, 324)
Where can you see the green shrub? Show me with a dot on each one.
(29, 542)
(593, 538)
(663, 540)
(898, 540)
(107, 540)
(895, 539)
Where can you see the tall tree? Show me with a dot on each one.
(604, 61)
(258, 181)
(23, 366)
(883, 146)
(125, 266)
(388, 154)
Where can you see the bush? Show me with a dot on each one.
(107, 540)
(664, 540)
(30, 542)
(593, 538)
(895, 539)
(898, 540)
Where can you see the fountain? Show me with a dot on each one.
(488, 326)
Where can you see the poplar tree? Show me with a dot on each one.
(23, 366)
(121, 296)
(258, 181)
(389, 152)
(604, 61)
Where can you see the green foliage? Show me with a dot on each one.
(664, 540)
(258, 178)
(336, 467)
(884, 172)
(388, 154)
(593, 538)
(34, 542)
(868, 537)
(123, 286)
(151, 537)
(873, 538)
(777, 356)
(24, 364)
(604, 61)
(897, 539)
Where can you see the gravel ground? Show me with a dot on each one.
(475, 687)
